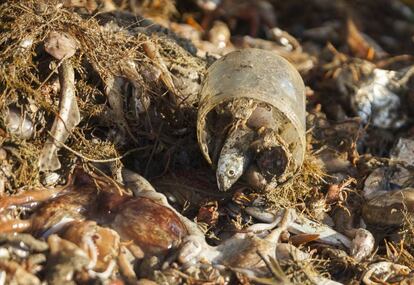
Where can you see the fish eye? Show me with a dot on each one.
(231, 173)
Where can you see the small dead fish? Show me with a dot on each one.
(235, 157)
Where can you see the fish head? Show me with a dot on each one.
(230, 168)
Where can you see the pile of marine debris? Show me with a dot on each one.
(109, 167)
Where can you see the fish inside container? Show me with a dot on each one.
(261, 92)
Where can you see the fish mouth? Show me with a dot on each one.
(222, 184)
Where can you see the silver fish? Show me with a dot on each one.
(235, 157)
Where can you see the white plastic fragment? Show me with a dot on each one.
(18, 124)
(60, 45)
(67, 119)
(303, 225)
(326, 234)
(377, 100)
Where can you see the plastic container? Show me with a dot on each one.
(265, 77)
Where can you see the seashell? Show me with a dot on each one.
(153, 227)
